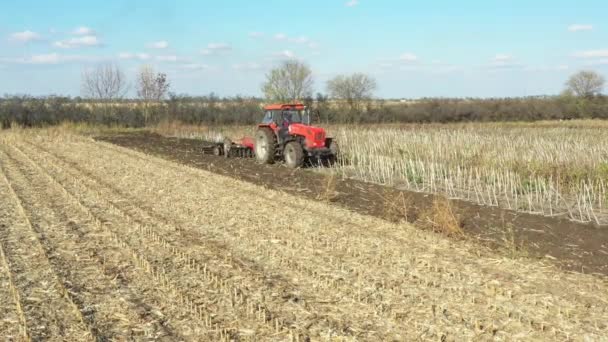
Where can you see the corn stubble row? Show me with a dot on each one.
(547, 168)
(221, 259)
(553, 171)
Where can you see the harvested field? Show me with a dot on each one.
(571, 245)
(100, 242)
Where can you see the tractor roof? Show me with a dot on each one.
(281, 106)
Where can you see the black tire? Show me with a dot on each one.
(335, 152)
(334, 148)
(227, 147)
(265, 146)
(217, 150)
(293, 154)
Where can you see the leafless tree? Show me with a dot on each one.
(291, 81)
(105, 82)
(151, 86)
(585, 84)
(355, 88)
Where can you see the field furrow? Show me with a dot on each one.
(405, 262)
(284, 306)
(366, 298)
(206, 296)
(12, 324)
(73, 246)
(47, 305)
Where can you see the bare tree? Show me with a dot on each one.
(151, 86)
(105, 82)
(292, 81)
(585, 84)
(354, 88)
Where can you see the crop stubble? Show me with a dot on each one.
(148, 247)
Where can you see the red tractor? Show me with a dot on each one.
(286, 134)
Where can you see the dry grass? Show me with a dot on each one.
(396, 206)
(328, 192)
(220, 259)
(440, 217)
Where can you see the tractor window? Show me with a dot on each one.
(281, 116)
(267, 117)
(292, 116)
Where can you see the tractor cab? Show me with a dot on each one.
(285, 115)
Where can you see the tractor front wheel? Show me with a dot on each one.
(265, 146)
(217, 150)
(335, 151)
(294, 155)
(227, 147)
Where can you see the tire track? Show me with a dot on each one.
(146, 252)
(307, 274)
(50, 313)
(472, 282)
(10, 301)
(73, 253)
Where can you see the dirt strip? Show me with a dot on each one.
(573, 246)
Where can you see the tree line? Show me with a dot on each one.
(348, 99)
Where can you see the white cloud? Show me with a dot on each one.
(195, 66)
(408, 57)
(215, 48)
(299, 40)
(286, 54)
(161, 44)
(580, 27)
(547, 68)
(83, 31)
(168, 58)
(50, 58)
(385, 65)
(504, 61)
(77, 42)
(25, 36)
(302, 40)
(352, 3)
(502, 58)
(256, 34)
(503, 65)
(131, 56)
(603, 53)
(296, 40)
(600, 62)
(251, 66)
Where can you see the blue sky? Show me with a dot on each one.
(478, 48)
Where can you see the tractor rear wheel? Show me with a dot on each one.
(265, 148)
(293, 154)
